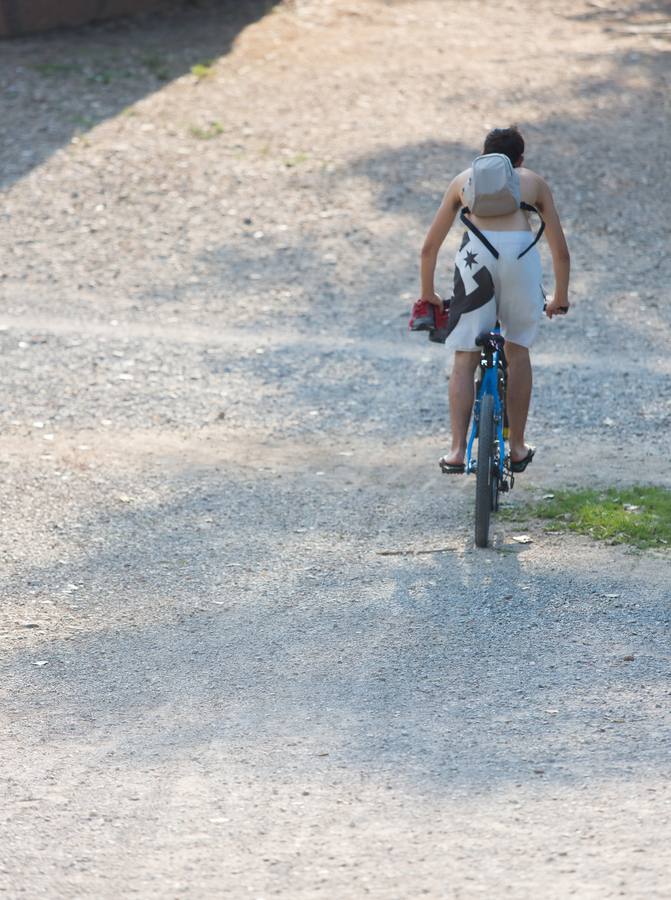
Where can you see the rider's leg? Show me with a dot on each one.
(519, 397)
(461, 394)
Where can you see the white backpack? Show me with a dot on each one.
(493, 187)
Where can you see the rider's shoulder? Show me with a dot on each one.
(456, 186)
(462, 177)
(532, 177)
(534, 186)
(523, 172)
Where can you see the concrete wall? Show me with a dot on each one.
(26, 16)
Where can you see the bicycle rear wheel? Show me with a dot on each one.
(485, 471)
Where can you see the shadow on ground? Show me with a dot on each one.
(234, 632)
(649, 16)
(62, 83)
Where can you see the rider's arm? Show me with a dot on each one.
(435, 237)
(561, 259)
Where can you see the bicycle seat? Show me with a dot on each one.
(491, 340)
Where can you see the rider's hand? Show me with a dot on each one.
(433, 298)
(557, 306)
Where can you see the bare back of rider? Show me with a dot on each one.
(534, 191)
(531, 192)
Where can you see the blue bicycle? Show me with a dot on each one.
(493, 472)
(493, 467)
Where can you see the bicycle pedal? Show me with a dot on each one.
(504, 487)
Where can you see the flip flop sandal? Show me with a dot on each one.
(451, 468)
(521, 464)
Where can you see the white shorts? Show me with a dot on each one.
(487, 289)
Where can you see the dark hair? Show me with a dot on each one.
(507, 141)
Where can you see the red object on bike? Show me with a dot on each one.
(422, 317)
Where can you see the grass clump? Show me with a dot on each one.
(214, 129)
(640, 516)
(158, 67)
(296, 160)
(84, 121)
(50, 69)
(203, 69)
(91, 70)
(107, 76)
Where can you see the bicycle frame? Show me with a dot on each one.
(489, 362)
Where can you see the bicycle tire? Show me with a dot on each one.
(484, 472)
(495, 487)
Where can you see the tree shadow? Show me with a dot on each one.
(425, 672)
(619, 257)
(58, 85)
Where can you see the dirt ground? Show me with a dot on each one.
(227, 670)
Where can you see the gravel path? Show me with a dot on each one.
(249, 649)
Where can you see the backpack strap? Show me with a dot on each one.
(480, 236)
(476, 231)
(529, 208)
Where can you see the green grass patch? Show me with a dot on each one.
(107, 76)
(203, 69)
(214, 129)
(84, 121)
(157, 65)
(50, 69)
(640, 516)
(296, 160)
(91, 70)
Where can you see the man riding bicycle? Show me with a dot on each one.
(497, 276)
